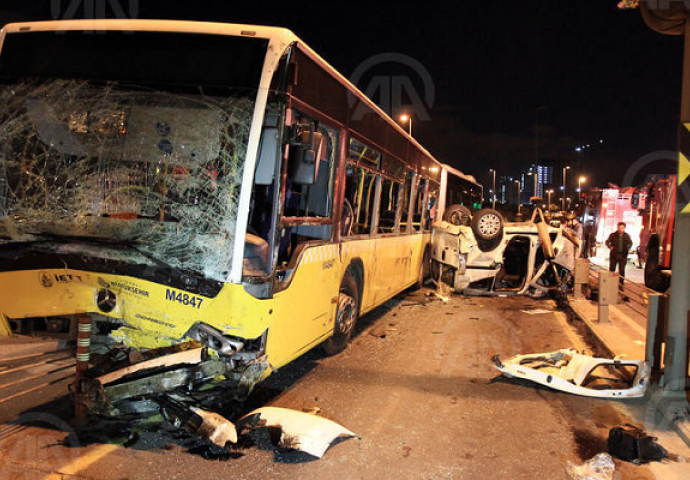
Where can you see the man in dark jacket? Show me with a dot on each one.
(619, 243)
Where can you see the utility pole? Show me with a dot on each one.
(536, 147)
(675, 20)
(565, 189)
(493, 198)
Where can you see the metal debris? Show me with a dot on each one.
(207, 425)
(571, 372)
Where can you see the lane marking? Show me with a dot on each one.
(33, 389)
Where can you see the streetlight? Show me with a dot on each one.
(579, 188)
(564, 186)
(518, 187)
(404, 118)
(548, 202)
(535, 182)
(493, 199)
(536, 139)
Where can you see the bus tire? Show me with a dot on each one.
(345, 317)
(654, 278)
(457, 214)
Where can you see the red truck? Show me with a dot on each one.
(656, 237)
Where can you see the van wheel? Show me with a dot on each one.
(345, 317)
(487, 224)
(458, 215)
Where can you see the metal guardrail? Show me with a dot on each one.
(635, 296)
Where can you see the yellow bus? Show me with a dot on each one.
(218, 182)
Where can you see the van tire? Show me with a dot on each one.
(345, 316)
(457, 214)
(487, 225)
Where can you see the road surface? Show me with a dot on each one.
(417, 386)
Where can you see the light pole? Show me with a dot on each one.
(518, 188)
(548, 202)
(493, 198)
(405, 118)
(580, 181)
(533, 174)
(564, 188)
(536, 142)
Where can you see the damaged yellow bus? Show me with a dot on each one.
(216, 182)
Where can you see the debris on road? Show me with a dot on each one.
(123, 381)
(298, 430)
(631, 443)
(537, 311)
(599, 467)
(571, 372)
(207, 425)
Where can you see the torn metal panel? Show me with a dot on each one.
(207, 425)
(571, 372)
(125, 377)
(158, 170)
(298, 430)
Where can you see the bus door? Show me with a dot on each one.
(308, 267)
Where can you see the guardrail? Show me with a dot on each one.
(633, 300)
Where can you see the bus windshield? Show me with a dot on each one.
(135, 139)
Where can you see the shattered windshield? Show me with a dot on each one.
(136, 162)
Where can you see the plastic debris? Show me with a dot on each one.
(599, 467)
(569, 371)
(298, 430)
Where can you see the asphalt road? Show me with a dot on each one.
(417, 386)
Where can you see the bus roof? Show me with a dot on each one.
(282, 37)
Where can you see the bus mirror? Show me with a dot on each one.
(304, 157)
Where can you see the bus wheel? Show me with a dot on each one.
(345, 317)
(654, 278)
(458, 215)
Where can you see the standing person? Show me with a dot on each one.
(578, 231)
(619, 243)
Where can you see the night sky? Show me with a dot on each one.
(597, 72)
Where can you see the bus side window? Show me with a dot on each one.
(431, 207)
(360, 194)
(419, 207)
(389, 206)
(406, 194)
